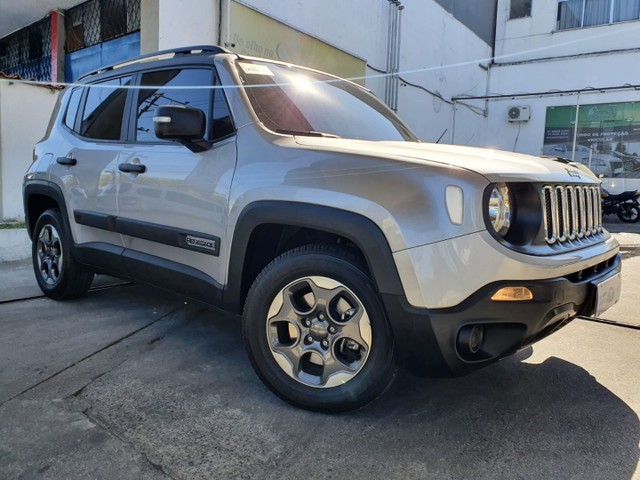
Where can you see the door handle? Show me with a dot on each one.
(66, 161)
(132, 168)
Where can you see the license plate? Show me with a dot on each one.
(608, 293)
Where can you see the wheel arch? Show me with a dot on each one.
(278, 226)
(38, 196)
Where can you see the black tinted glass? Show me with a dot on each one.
(103, 111)
(189, 88)
(72, 108)
(222, 124)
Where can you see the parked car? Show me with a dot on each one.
(600, 164)
(631, 162)
(300, 202)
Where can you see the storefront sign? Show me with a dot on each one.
(608, 137)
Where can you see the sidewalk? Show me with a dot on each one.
(14, 244)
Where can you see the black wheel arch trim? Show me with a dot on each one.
(43, 188)
(358, 229)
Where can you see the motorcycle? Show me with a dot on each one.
(625, 205)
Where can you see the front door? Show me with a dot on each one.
(172, 203)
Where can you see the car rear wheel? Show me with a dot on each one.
(58, 274)
(316, 331)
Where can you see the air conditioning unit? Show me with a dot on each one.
(519, 114)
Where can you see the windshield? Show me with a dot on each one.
(296, 101)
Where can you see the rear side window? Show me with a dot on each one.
(104, 110)
(188, 87)
(72, 108)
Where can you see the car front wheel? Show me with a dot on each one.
(316, 331)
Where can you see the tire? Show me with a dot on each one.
(316, 331)
(629, 213)
(59, 275)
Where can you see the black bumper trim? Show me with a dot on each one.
(427, 339)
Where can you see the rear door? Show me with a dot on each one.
(85, 168)
(173, 214)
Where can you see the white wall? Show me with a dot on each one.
(445, 56)
(579, 73)
(187, 22)
(25, 111)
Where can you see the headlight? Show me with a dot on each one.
(500, 209)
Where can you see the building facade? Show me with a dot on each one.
(574, 67)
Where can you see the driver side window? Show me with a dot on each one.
(188, 87)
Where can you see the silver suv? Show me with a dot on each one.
(300, 202)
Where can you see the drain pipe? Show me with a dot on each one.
(387, 83)
(396, 82)
(393, 54)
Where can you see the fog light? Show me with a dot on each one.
(470, 340)
(512, 294)
(475, 339)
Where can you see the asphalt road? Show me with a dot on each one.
(132, 383)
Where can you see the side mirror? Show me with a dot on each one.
(182, 124)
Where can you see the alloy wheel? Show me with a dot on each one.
(319, 332)
(49, 254)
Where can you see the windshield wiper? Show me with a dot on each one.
(307, 133)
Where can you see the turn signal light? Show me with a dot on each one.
(512, 294)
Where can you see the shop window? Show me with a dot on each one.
(520, 9)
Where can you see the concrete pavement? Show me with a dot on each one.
(130, 382)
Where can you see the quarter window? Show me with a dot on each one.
(72, 108)
(189, 88)
(104, 108)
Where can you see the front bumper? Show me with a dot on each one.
(430, 341)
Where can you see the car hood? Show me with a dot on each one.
(495, 165)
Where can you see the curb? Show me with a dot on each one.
(14, 244)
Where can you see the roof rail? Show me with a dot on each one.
(192, 50)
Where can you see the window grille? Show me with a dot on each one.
(97, 21)
(27, 52)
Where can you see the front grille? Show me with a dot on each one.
(571, 212)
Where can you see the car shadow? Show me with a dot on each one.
(547, 420)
